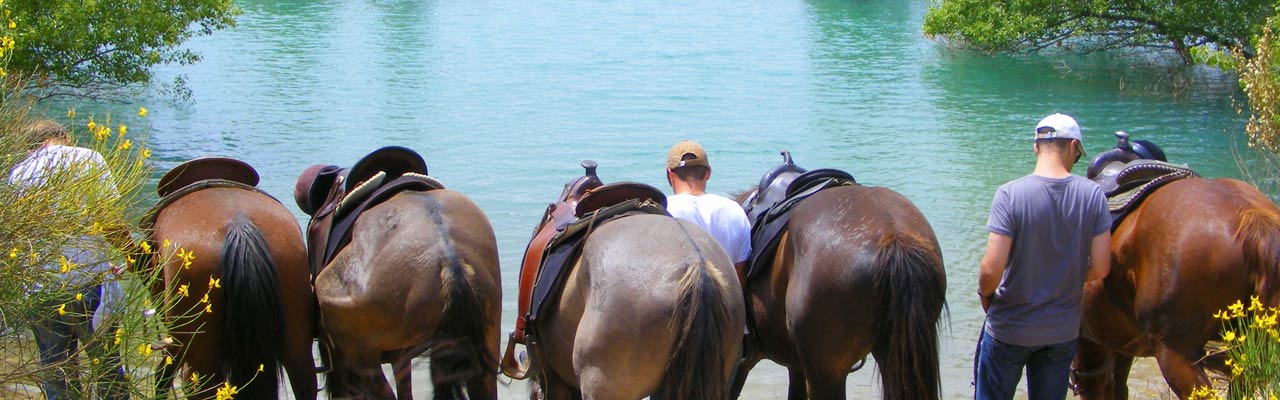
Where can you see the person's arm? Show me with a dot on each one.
(991, 270)
(1099, 257)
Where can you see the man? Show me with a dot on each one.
(1050, 232)
(58, 333)
(687, 172)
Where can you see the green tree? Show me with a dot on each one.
(1089, 25)
(101, 48)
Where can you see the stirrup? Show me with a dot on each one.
(517, 365)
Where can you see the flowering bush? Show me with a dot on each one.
(1252, 342)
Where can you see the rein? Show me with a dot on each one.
(1077, 375)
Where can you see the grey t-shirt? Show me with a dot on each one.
(1052, 223)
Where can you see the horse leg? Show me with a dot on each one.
(796, 389)
(740, 377)
(402, 369)
(1120, 377)
(1179, 369)
(298, 362)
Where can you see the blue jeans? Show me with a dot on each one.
(1000, 368)
(58, 337)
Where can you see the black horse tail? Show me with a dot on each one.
(912, 290)
(696, 368)
(1259, 233)
(253, 328)
(459, 354)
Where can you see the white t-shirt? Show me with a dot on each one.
(723, 218)
(36, 170)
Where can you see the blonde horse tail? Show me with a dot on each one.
(1259, 233)
(695, 370)
(912, 292)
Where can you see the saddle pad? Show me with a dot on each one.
(564, 248)
(205, 168)
(767, 231)
(1120, 204)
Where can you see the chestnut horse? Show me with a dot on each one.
(1193, 247)
(236, 288)
(651, 307)
(857, 271)
(420, 274)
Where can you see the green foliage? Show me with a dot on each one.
(98, 48)
(1033, 25)
(1260, 80)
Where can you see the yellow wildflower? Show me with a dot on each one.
(166, 243)
(79, 297)
(62, 309)
(13, 253)
(1237, 309)
(144, 349)
(205, 299)
(119, 334)
(260, 367)
(12, 25)
(146, 247)
(226, 392)
(126, 144)
(71, 112)
(142, 111)
(95, 361)
(195, 378)
(168, 360)
(146, 153)
(214, 283)
(208, 308)
(1229, 337)
(182, 290)
(1255, 304)
(123, 130)
(130, 260)
(65, 265)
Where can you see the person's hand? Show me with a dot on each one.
(986, 301)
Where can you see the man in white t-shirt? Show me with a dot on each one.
(688, 171)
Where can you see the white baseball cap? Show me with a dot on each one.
(1060, 126)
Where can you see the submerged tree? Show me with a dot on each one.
(99, 48)
(1090, 25)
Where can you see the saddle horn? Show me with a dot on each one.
(590, 166)
(1123, 141)
(786, 159)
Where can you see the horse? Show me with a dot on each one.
(650, 307)
(234, 281)
(1194, 246)
(420, 275)
(857, 270)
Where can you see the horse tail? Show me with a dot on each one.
(459, 355)
(1259, 233)
(696, 368)
(253, 327)
(912, 294)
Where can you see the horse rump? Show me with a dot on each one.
(253, 325)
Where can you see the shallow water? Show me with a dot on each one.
(505, 98)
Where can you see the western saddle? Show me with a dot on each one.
(585, 203)
(769, 207)
(1130, 172)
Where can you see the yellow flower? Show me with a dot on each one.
(95, 361)
(168, 360)
(13, 253)
(1229, 337)
(71, 112)
(195, 378)
(62, 309)
(205, 299)
(1237, 309)
(144, 349)
(226, 392)
(260, 366)
(126, 144)
(215, 283)
(208, 308)
(65, 265)
(130, 260)
(146, 153)
(91, 125)
(119, 334)
(79, 296)
(142, 111)
(182, 290)
(12, 25)
(123, 130)
(166, 243)
(146, 247)
(1255, 304)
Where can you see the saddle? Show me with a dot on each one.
(1127, 174)
(335, 197)
(769, 208)
(585, 203)
(195, 175)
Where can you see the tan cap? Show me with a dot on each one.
(687, 153)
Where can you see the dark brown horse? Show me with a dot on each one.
(236, 286)
(651, 307)
(1193, 247)
(420, 275)
(857, 271)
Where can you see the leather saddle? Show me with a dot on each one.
(335, 197)
(769, 207)
(195, 175)
(585, 203)
(1130, 172)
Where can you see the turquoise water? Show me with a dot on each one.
(505, 98)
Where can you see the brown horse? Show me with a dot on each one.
(857, 271)
(1193, 247)
(650, 307)
(237, 290)
(419, 275)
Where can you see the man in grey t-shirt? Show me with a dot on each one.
(1050, 232)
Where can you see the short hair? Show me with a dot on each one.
(44, 129)
(1057, 144)
(691, 173)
